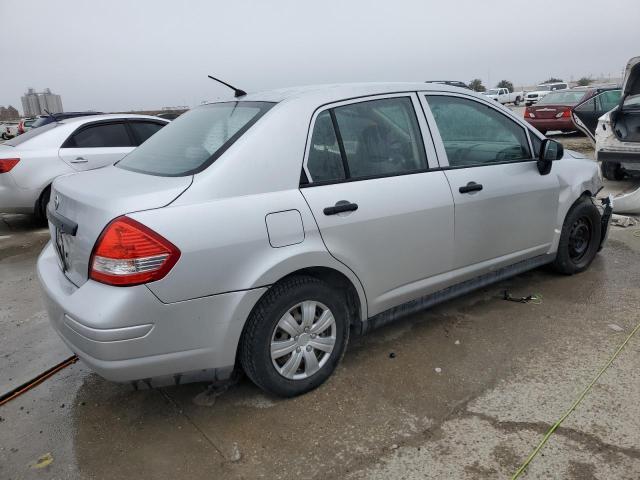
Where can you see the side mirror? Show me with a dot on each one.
(549, 151)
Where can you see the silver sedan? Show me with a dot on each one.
(261, 233)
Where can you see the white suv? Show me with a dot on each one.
(541, 90)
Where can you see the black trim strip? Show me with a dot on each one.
(343, 152)
(62, 223)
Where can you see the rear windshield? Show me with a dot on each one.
(15, 141)
(194, 140)
(566, 97)
(42, 121)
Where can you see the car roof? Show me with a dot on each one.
(108, 116)
(322, 94)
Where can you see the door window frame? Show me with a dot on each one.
(439, 144)
(423, 129)
(70, 141)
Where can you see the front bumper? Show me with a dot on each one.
(606, 209)
(126, 334)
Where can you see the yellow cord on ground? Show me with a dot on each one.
(573, 407)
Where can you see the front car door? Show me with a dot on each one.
(505, 211)
(97, 144)
(586, 114)
(380, 204)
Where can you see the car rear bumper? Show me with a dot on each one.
(126, 334)
(628, 160)
(14, 199)
(563, 124)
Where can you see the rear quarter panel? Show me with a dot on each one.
(225, 246)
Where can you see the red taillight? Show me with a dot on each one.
(6, 164)
(564, 114)
(128, 253)
(528, 113)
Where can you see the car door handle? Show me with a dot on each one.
(79, 160)
(341, 206)
(471, 187)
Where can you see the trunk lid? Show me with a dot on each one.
(90, 200)
(547, 111)
(631, 82)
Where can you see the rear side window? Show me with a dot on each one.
(476, 134)
(194, 140)
(101, 135)
(373, 138)
(144, 130)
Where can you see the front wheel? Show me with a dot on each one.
(295, 337)
(579, 239)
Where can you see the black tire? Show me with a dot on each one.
(579, 239)
(517, 102)
(41, 206)
(255, 344)
(612, 171)
(5, 137)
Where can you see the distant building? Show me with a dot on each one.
(9, 113)
(39, 103)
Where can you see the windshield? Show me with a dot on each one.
(543, 88)
(493, 91)
(565, 97)
(15, 141)
(194, 140)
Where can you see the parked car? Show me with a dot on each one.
(8, 130)
(269, 228)
(503, 96)
(25, 125)
(612, 121)
(30, 162)
(452, 83)
(553, 112)
(56, 117)
(542, 90)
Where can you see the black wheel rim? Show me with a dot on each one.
(580, 238)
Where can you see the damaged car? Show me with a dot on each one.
(262, 232)
(611, 120)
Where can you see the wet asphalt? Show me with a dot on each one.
(464, 390)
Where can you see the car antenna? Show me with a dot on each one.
(237, 92)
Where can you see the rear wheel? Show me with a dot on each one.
(580, 238)
(295, 337)
(612, 171)
(517, 102)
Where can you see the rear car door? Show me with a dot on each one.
(97, 144)
(585, 115)
(505, 211)
(382, 207)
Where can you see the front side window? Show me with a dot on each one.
(381, 137)
(103, 135)
(609, 99)
(194, 140)
(475, 134)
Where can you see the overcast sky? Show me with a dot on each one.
(122, 55)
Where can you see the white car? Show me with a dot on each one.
(541, 90)
(503, 96)
(8, 130)
(31, 161)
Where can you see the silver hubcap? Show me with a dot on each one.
(303, 340)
